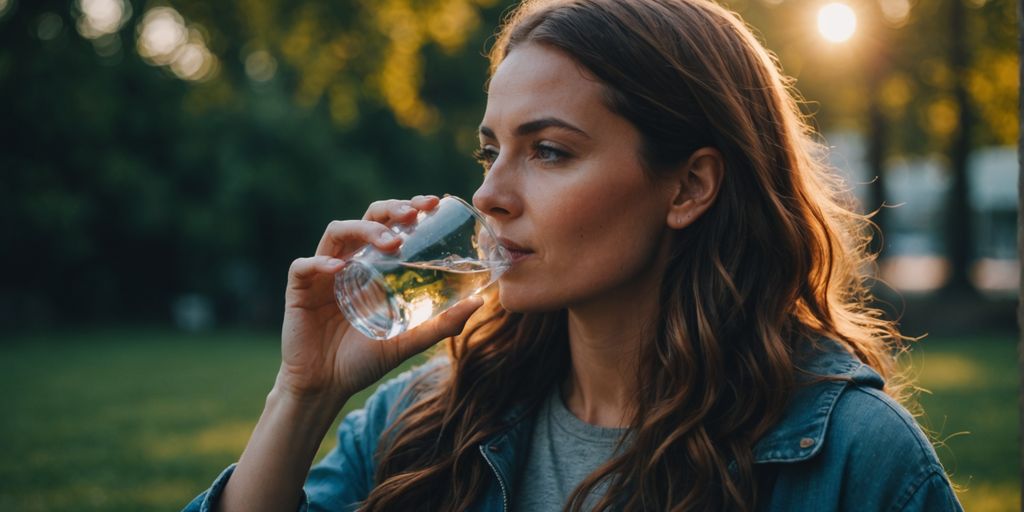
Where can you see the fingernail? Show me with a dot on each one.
(405, 210)
(334, 262)
(387, 236)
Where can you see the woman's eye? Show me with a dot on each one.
(486, 156)
(549, 154)
(546, 153)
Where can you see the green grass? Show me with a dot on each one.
(970, 410)
(137, 420)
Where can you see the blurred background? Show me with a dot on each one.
(162, 162)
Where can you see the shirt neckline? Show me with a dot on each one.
(560, 415)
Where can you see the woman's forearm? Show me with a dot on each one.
(274, 465)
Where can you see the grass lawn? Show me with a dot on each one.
(970, 411)
(144, 420)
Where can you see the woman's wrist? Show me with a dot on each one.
(274, 465)
(319, 397)
(316, 408)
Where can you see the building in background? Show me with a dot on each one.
(916, 189)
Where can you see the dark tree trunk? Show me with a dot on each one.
(877, 135)
(876, 148)
(959, 240)
(1020, 239)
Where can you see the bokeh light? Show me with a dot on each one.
(161, 32)
(107, 46)
(837, 22)
(260, 66)
(49, 26)
(5, 5)
(98, 18)
(192, 62)
(164, 39)
(895, 12)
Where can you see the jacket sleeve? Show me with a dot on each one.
(934, 494)
(207, 501)
(344, 478)
(890, 465)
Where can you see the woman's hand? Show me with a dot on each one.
(323, 357)
(324, 362)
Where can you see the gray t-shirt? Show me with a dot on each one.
(563, 451)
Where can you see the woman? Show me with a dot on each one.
(685, 325)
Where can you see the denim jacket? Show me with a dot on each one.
(841, 445)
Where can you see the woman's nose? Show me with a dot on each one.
(496, 197)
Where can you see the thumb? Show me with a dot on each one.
(449, 323)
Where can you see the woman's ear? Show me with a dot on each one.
(696, 185)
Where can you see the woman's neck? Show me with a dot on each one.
(604, 344)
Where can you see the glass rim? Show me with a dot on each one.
(483, 222)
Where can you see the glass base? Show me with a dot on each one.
(367, 301)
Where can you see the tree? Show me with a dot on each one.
(135, 172)
(959, 241)
(918, 78)
(1020, 240)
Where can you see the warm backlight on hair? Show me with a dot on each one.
(837, 22)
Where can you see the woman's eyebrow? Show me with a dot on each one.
(536, 126)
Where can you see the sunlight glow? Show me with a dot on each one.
(420, 311)
(837, 22)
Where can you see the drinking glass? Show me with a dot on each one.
(447, 254)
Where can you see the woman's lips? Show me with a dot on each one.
(518, 255)
(516, 252)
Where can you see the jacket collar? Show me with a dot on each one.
(801, 432)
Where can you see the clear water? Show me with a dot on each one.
(385, 298)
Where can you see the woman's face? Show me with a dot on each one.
(565, 183)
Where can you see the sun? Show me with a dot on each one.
(837, 22)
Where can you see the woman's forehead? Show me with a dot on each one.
(535, 82)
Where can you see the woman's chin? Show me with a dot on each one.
(516, 302)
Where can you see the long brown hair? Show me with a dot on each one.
(777, 262)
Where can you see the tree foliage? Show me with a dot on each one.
(917, 86)
(132, 177)
(125, 187)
